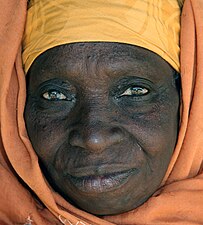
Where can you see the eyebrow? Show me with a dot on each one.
(138, 65)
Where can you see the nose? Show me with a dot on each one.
(96, 137)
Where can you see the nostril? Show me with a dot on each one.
(75, 138)
(117, 133)
(96, 139)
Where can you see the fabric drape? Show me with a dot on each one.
(25, 196)
(154, 25)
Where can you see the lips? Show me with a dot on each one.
(102, 182)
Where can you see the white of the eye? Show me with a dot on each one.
(54, 95)
(135, 91)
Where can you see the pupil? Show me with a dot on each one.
(53, 94)
(137, 90)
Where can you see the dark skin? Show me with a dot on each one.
(103, 119)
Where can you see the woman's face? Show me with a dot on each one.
(103, 119)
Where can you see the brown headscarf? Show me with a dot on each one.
(25, 196)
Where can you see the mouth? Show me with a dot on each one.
(102, 182)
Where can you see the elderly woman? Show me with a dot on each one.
(98, 130)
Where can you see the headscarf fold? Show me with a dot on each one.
(154, 25)
(26, 197)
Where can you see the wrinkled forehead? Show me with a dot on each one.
(107, 52)
(80, 61)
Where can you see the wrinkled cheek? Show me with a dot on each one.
(44, 135)
(158, 140)
(160, 153)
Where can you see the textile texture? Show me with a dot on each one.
(150, 24)
(25, 195)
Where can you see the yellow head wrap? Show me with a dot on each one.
(152, 24)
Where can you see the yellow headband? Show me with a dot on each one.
(151, 24)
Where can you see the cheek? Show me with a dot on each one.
(156, 130)
(45, 131)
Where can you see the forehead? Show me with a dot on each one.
(89, 59)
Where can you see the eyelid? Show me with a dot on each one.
(56, 84)
(69, 93)
(122, 84)
(120, 89)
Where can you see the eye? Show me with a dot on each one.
(135, 91)
(54, 96)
